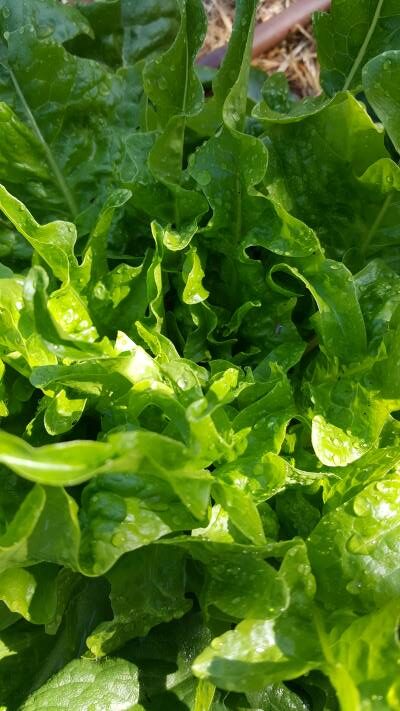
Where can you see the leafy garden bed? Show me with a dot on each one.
(199, 372)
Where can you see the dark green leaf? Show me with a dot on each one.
(351, 34)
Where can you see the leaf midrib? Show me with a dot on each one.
(62, 183)
(361, 52)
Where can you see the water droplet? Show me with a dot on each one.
(6, 12)
(45, 31)
(361, 506)
(100, 291)
(69, 316)
(118, 540)
(358, 545)
(383, 487)
(162, 83)
(158, 506)
(203, 177)
(354, 587)
(303, 569)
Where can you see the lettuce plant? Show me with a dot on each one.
(199, 364)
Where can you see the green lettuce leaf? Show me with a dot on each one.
(350, 35)
(380, 82)
(199, 364)
(84, 682)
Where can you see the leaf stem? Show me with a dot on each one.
(65, 190)
(364, 46)
(322, 636)
(376, 223)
